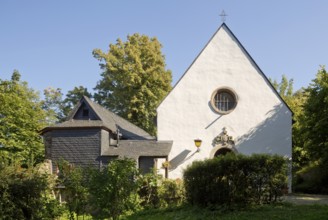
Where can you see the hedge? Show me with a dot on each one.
(236, 180)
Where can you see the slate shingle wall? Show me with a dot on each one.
(79, 147)
(47, 139)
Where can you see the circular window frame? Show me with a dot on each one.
(229, 91)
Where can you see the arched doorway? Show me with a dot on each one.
(222, 152)
(223, 144)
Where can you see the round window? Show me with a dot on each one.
(224, 100)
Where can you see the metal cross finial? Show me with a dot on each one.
(223, 16)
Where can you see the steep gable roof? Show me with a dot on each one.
(226, 28)
(101, 118)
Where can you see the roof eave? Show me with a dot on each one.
(51, 128)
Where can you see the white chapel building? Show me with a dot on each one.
(225, 101)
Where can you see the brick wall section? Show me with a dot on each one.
(80, 147)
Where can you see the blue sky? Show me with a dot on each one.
(51, 42)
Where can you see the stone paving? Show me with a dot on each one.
(306, 199)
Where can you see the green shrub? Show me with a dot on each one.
(171, 192)
(113, 190)
(235, 180)
(26, 194)
(75, 188)
(155, 192)
(148, 190)
(312, 178)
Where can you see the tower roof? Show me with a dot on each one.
(102, 118)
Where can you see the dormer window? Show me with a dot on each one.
(85, 113)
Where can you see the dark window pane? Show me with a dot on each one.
(224, 101)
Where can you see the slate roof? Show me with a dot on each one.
(104, 119)
(132, 148)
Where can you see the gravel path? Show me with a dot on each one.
(306, 199)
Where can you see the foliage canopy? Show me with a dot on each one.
(314, 177)
(21, 118)
(58, 108)
(134, 79)
(316, 116)
(114, 189)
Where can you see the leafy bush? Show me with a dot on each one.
(113, 190)
(312, 179)
(148, 190)
(171, 192)
(155, 192)
(75, 188)
(26, 194)
(235, 180)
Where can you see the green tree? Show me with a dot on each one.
(58, 108)
(316, 117)
(312, 129)
(284, 88)
(53, 105)
(76, 192)
(21, 118)
(113, 189)
(296, 102)
(73, 97)
(300, 154)
(134, 79)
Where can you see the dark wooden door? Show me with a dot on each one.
(146, 164)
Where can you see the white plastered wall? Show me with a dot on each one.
(260, 123)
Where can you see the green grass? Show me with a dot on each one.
(275, 212)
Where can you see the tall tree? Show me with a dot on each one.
(313, 136)
(284, 88)
(316, 117)
(58, 108)
(21, 118)
(134, 79)
(53, 105)
(300, 153)
(295, 101)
